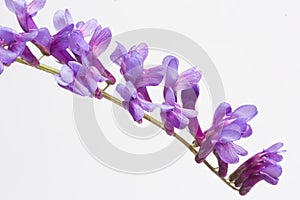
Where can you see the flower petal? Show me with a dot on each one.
(249, 183)
(246, 112)
(177, 119)
(43, 40)
(88, 27)
(146, 105)
(223, 166)
(229, 135)
(117, 55)
(35, 6)
(206, 148)
(187, 79)
(190, 96)
(170, 97)
(100, 40)
(77, 44)
(227, 153)
(142, 49)
(222, 110)
(189, 113)
(273, 170)
(60, 81)
(136, 111)
(28, 56)
(126, 92)
(151, 77)
(172, 70)
(275, 147)
(8, 56)
(67, 74)
(247, 132)
(62, 19)
(16, 6)
(239, 150)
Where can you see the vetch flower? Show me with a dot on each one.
(173, 115)
(187, 82)
(189, 98)
(72, 37)
(13, 45)
(132, 67)
(227, 127)
(25, 13)
(80, 79)
(134, 101)
(262, 166)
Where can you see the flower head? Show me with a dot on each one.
(73, 37)
(25, 13)
(173, 115)
(227, 127)
(262, 166)
(178, 116)
(13, 45)
(80, 79)
(132, 68)
(134, 101)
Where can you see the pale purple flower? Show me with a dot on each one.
(60, 45)
(187, 81)
(134, 101)
(132, 67)
(25, 13)
(71, 36)
(189, 98)
(13, 45)
(80, 79)
(262, 166)
(227, 127)
(173, 115)
(183, 81)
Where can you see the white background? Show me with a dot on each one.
(255, 46)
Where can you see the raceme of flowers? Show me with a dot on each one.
(77, 47)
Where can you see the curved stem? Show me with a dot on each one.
(156, 122)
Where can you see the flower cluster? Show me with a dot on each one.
(81, 69)
(262, 166)
(77, 47)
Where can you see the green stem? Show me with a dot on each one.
(117, 101)
(42, 67)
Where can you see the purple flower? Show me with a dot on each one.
(189, 98)
(134, 101)
(132, 67)
(186, 82)
(173, 115)
(13, 45)
(80, 79)
(262, 166)
(183, 81)
(25, 13)
(72, 37)
(227, 127)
